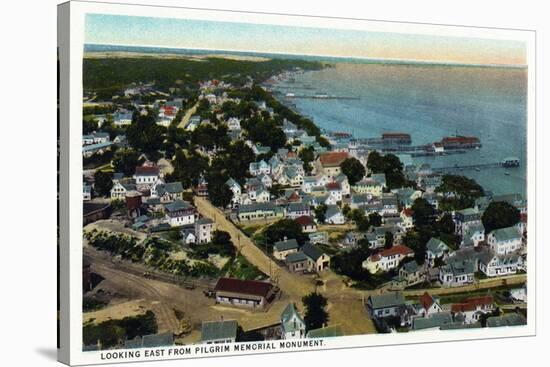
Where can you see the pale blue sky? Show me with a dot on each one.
(184, 33)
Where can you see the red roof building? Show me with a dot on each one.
(332, 159)
(396, 250)
(426, 300)
(473, 304)
(152, 170)
(245, 293)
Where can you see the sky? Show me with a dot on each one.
(201, 34)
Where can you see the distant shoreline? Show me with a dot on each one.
(95, 50)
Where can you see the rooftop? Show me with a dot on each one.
(332, 159)
(250, 287)
(325, 332)
(391, 299)
(216, 330)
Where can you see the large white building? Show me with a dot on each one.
(505, 240)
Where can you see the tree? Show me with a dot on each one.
(445, 224)
(89, 125)
(375, 219)
(103, 183)
(126, 161)
(219, 194)
(315, 316)
(188, 169)
(285, 228)
(391, 166)
(350, 263)
(353, 169)
(145, 135)
(320, 213)
(423, 212)
(375, 162)
(388, 239)
(499, 214)
(307, 156)
(459, 192)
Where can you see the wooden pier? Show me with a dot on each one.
(469, 167)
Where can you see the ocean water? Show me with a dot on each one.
(429, 102)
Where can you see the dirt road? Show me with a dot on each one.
(187, 116)
(345, 305)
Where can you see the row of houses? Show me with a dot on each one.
(391, 310)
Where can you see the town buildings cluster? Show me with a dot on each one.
(319, 196)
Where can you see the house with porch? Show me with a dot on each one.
(457, 273)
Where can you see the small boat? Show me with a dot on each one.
(507, 173)
(477, 169)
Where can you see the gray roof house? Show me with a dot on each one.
(387, 304)
(219, 331)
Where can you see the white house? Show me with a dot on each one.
(203, 230)
(122, 118)
(368, 186)
(499, 265)
(427, 305)
(344, 183)
(261, 167)
(457, 273)
(335, 190)
(334, 215)
(233, 124)
(281, 249)
(407, 220)
(505, 240)
(436, 249)
(119, 190)
(473, 236)
(387, 259)
(261, 195)
(292, 324)
(179, 213)
(471, 310)
(219, 332)
(147, 175)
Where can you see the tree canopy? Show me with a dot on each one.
(285, 228)
(315, 316)
(499, 214)
(459, 192)
(353, 169)
(103, 183)
(126, 161)
(391, 166)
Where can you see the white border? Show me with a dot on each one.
(77, 21)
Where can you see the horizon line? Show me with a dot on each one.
(358, 58)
